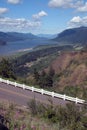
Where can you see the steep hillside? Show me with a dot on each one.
(70, 66)
(71, 69)
(73, 36)
(39, 58)
(68, 75)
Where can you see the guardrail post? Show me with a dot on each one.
(15, 84)
(76, 100)
(42, 91)
(7, 81)
(32, 89)
(0, 80)
(64, 97)
(52, 94)
(23, 86)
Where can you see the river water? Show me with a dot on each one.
(13, 47)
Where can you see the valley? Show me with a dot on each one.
(14, 42)
(68, 61)
(43, 64)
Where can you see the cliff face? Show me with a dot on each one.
(71, 68)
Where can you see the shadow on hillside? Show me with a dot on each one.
(2, 126)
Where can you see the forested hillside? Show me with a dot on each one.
(61, 69)
(73, 36)
(25, 62)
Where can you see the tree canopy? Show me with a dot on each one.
(7, 69)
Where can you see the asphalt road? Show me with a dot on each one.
(21, 97)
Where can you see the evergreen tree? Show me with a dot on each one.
(51, 72)
(46, 80)
(6, 69)
(36, 76)
(42, 79)
(50, 77)
(43, 74)
(49, 81)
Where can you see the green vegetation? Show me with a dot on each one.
(75, 91)
(44, 79)
(39, 58)
(51, 67)
(70, 117)
(6, 69)
(40, 116)
(35, 68)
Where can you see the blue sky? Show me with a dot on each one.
(42, 16)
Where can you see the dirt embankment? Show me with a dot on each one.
(71, 68)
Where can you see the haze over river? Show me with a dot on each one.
(13, 47)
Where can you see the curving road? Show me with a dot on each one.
(21, 97)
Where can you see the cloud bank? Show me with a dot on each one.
(79, 5)
(19, 24)
(3, 10)
(39, 15)
(77, 21)
(14, 1)
(83, 8)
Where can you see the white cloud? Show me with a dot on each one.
(76, 19)
(82, 8)
(59, 3)
(79, 5)
(14, 1)
(39, 15)
(21, 24)
(77, 22)
(3, 10)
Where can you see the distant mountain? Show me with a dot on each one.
(49, 36)
(73, 36)
(22, 35)
(15, 36)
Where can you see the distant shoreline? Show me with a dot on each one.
(16, 52)
(23, 50)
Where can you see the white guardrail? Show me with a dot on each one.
(42, 91)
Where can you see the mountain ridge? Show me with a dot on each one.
(68, 36)
(73, 36)
(15, 36)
